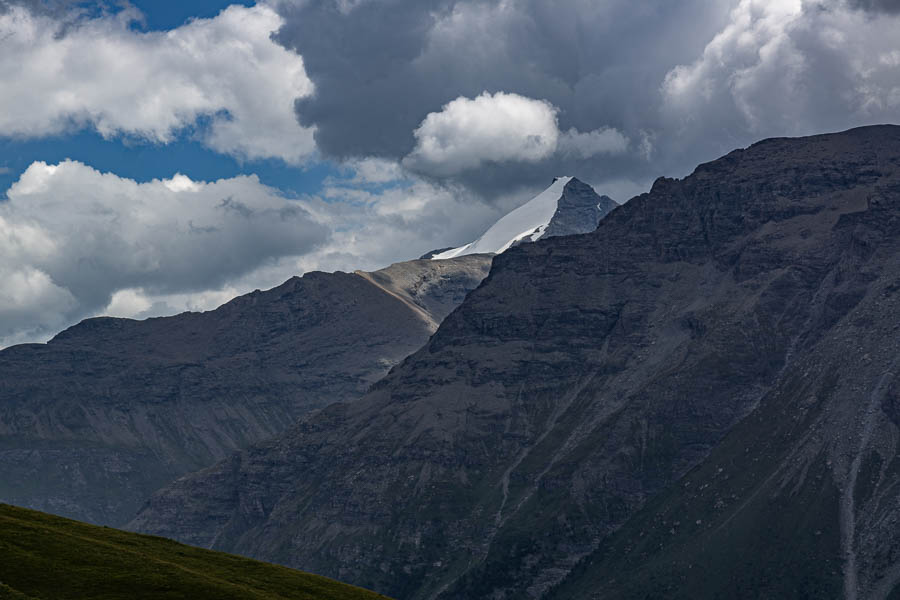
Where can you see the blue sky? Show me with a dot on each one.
(168, 14)
(140, 160)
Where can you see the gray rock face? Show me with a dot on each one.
(741, 322)
(579, 210)
(802, 498)
(110, 410)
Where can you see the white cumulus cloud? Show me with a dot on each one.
(225, 75)
(499, 127)
(72, 239)
(787, 67)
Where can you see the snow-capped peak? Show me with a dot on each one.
(528, 222)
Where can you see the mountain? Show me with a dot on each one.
(724, 347)
(567, 207)
(802, 498)
(110, 410)
(48, 557)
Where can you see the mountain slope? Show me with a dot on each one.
(110, 410)
(802, 500)
(431, 288)
(586, 375)
(43, 557)
(567, 207)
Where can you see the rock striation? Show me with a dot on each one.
(110, 410)
(712, 374)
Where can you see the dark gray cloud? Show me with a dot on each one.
(683, 81)
(381, 66)
(366, 101)
(888, 6)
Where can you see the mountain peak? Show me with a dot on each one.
(567, 207)
(578, 210)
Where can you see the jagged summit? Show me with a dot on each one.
(567, 207)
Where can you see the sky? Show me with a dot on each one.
(157, 157)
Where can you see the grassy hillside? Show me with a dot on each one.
(43, 557)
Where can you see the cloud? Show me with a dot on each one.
(499, 128)
(385, 73)
(402, 219)
(381, 68)
(753, 55)
(38, 6)
(374, 171)
(605, 140)
(72, 238)
(889, 6)
(785, 68)
(362, 52)
(223, 76)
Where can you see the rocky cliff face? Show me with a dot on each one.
(802, 498)
(110, 410)
(579, 210)
(741, 322)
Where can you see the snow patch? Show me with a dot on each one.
(529, 220)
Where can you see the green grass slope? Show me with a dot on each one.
(44, 557)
